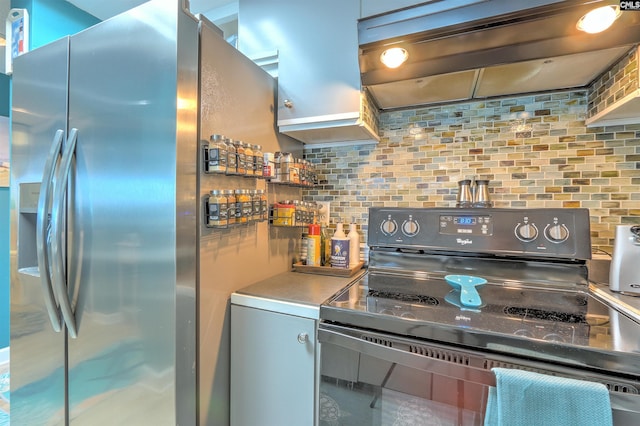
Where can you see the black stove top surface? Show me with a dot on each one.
(547, 323)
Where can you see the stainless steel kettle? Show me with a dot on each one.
(624, 275)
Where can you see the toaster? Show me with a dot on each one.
(624, 275)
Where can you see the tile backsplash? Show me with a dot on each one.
(535, 150)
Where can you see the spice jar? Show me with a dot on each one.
(299, 212)
(277, 167)
(243, 206)
(264, 205)
(217, 155)
(286, 165)
(294, 171)
(218, 209)
(284, 213)
(231, 205)
(231, 158)
(248, 159)
(258, 160)
(256, 208)
(240, 158)
(268, 166)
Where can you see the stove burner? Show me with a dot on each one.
(529, 313)
(413, 298)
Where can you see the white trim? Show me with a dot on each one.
(612, 115)
(322, 121)
(343, 143)
(282, 307)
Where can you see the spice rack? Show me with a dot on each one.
(293, 213)
(225, 156)
(227, 207)
(284, 169)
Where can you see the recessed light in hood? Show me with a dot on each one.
(599, 19)
(488, 48)
(394, 57)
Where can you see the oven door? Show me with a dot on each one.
(373, 379)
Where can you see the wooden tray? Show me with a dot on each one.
(327, 270)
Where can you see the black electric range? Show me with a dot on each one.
(536, 303)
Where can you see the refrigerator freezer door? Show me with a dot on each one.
(133, 104)
(37, 351)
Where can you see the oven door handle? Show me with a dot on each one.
(406, 358)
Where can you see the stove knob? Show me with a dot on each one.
(526, 232)
(556, 233)
(389, 227)
(410, 227)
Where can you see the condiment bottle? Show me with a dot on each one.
(354, 245)
(340, 248)
(304, 249)
(313, 245)
(325, 247)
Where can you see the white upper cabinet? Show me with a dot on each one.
(376, 7)
(320, 98)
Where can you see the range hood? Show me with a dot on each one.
(463, 50)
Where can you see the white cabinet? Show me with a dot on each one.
(273, 368)
(376, 7)
(614, 98)
(319, 91)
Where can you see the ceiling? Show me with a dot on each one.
(102, 9)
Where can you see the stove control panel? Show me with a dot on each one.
(560, 232)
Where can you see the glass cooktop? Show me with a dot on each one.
(552, 324)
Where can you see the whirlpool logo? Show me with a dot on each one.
(464, 242)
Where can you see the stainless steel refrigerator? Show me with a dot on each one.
(119, 293)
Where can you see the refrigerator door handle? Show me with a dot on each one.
(43, 229)
(57, 225)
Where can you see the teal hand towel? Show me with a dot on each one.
(523, 398)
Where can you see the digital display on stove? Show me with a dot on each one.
(466, 225)
(464, 220)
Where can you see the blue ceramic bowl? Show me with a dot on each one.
(467, 285)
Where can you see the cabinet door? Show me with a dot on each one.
(317, 45)
(272, 368)
(376, 7)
